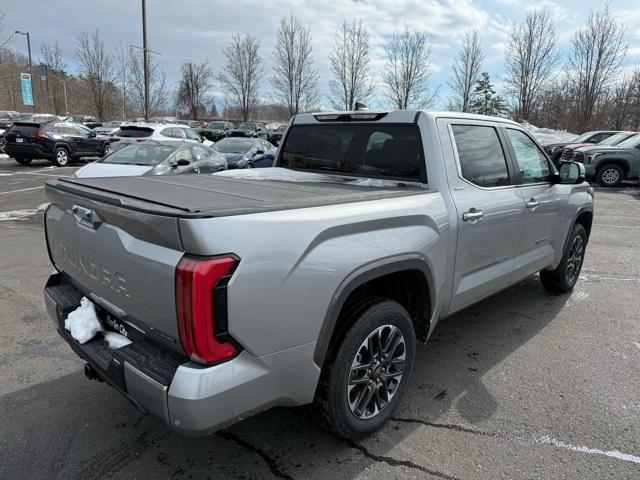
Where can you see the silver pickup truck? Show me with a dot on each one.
(312, 281)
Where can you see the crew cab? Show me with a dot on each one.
(312, 281)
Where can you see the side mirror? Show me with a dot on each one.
(571, 173)
(92, 134)
(201, 139)
(259, 152)
(182, 162)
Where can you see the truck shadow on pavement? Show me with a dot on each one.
(72, 428)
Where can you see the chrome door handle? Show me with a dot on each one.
(473, 215)
(532, 204)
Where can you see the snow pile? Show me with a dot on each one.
(83, 323)
(22, 214)
(115, 340)
(280, 174)
(548, 135)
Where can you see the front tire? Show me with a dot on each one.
(107, 150)
(61, 157)
(565, 276)
(363, 385)
(610, 176)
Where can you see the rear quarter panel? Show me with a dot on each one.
(293, 262)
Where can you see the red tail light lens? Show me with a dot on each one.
(40, 136)
(196, 281)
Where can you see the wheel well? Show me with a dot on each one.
(620, 163)
(407, 287)
(64, 147)
(585, 219)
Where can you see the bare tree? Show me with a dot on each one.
(406, 73)
(349, 63)
(294, 78)
(240, 76)
(96, 66)
(466, 69)
(530, 57)
(157, 83)
(195, 81)
(121, 60)
(52, 59)
(598, 52)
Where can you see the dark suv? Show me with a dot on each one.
(56, 141)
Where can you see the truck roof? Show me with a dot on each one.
(390, 116)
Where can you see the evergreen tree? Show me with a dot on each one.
(485, 101)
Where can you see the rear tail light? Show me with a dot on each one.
(201, 308)
(41, 136)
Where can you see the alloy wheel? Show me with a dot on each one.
(574, 261)
(376, 372)
(610, 176)
(62, 157)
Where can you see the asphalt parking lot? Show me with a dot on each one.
(523, 385)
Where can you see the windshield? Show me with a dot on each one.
(110, 125)
(371, 150)
(139, 154)
(248, 126)
(133, 132)
(615, 139)
(281, 129)
(216, 125)
(21, 117)
(632, 142)
(229, 145)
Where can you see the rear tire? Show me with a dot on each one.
(364, 382)
(107, 150)
(60, 157)
(565, 276)
(24, 161)
(610, 175)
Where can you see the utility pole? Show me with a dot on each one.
(30, 66)
(66, 102)
(145, 54)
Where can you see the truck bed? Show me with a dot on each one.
(211, 196)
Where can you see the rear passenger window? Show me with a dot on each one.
(482, 159)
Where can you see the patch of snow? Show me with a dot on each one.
(7, 174)
(280, 174)
(636, 344)
(83, 323)
(548, 135)
(115, 340)
(22, 214)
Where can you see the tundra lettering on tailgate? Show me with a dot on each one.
(97, 271)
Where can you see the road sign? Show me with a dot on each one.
(27, 93)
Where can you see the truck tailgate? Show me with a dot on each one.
(123, 260)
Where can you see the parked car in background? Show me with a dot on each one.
(554, 150)
(5, 124)
(189, 123)
(137, 132)
(108, 128)
(216, 130)
(249, 129)
(314, 283)
(610, 165)
(246, 152)
(86, 120)
(58, 142)
(155, 158)
(274, 136)
(569, 151)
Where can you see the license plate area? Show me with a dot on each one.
(114, 324)
(19, 140)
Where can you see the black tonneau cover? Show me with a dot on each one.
(212, 196)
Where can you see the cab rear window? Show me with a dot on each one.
(368, 150)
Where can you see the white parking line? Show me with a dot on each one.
(615, 226)
(21, 190)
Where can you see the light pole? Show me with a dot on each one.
(18, 32)
(145, 56)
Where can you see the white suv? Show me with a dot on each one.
(135, 132)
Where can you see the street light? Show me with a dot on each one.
(18, 32)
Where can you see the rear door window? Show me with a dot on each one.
(179, 133)
(482, 159)
(371, 150)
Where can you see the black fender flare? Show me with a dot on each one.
(579, 211)
(360, 276)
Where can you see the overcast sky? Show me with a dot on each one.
(198, 30)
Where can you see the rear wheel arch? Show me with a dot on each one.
(406, 281)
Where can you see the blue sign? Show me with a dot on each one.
(27, 93)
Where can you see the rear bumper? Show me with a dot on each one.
(27, 151)
(194, 400)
